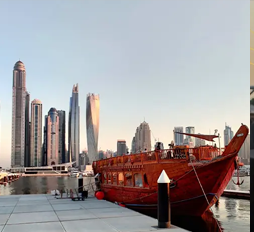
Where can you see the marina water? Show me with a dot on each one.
(233, 215)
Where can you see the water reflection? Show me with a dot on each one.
(233, 215)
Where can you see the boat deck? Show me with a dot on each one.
(40, 213)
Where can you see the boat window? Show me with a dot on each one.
(120, 178)
(109, 178)
(104, 178)
(128, 179)
(145, 181)
(138, 180)
(114, 174)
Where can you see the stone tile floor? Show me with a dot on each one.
(41, 213)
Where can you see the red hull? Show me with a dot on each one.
(186, 195)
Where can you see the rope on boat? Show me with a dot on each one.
(175, 181)
(204, 192)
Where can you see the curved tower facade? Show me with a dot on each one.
(74, 125)
(92, 125)
(20, 118)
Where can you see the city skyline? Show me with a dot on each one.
(172, 72)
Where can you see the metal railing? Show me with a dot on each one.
(160, 156)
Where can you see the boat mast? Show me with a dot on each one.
(215, 132)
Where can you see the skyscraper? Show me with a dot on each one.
(121, 147)
(44, 146)
(178, 138)
(199, 142)
(36, 134)
(244, 152)
(52, 140)
(228, 135)
(20, 117)
(62, 147)
(74, 127)
(92, 125)
(27, 131)
(133, 145)
(189, 139)
(143, 138)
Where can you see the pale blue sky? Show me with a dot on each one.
(176, 63)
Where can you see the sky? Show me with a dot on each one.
(172, 63)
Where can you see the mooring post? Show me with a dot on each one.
(80, 183)
(163, 212)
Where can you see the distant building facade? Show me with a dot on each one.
(92, 125)
(178, 138)
(20, 143)
(52, 140)
(142, 138)
(228, 135)
(74, 126)
(244, 152)
(83, 160)
(36, 134)
(133, 145)
(199, 142)
(121, 147)
(189, 140)
(62, 145)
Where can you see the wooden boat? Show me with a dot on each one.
(198, 176)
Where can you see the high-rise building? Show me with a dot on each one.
(20, 118)
(199, 142)
(121, 147)
(178, 138)
(244, 152)
(52, 140)
(27, 131)
(74, 127)
(62, 146)
(36, 134)
(133, 145)
(190, 140)
(228, 135)
(82, 160)
(102, 154)
(44, 146)
(92, 125)
(143, 138)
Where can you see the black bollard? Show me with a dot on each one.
(80, 183)
(163, 212)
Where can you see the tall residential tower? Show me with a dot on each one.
(20, 118)
(92, 125)
(52, 137)
(36, 134)
(62, 147)
(74, 127)
(143, 138)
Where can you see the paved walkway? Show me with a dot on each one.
(41, 213)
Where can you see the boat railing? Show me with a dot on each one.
(185, 154)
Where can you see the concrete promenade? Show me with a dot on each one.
(42, 213)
